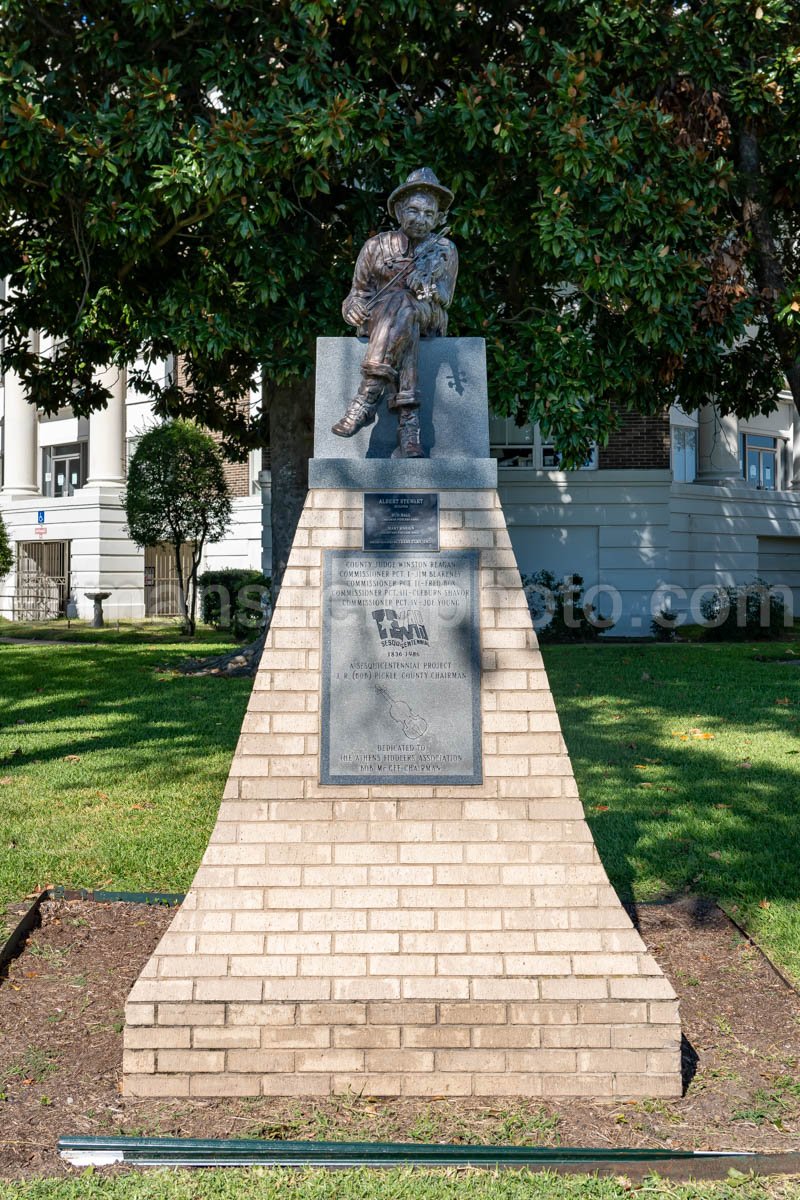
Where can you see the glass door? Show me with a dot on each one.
(64, 469)
(66, 474)
(761, 461)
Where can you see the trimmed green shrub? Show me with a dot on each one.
(570, 618)
(664, 625)
(751, 611)
(6, 553)
(237, 599)
(177, 493)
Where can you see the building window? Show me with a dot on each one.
(512, 444)
(64, 468)
(684, 454)
(759, 457)
(551, 459)
(523, 446)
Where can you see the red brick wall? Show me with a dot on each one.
(236, 473)
(238, 476)
(640, 443)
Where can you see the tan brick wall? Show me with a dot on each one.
(402, 940)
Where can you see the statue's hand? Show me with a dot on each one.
(421, 285)
(356, 313)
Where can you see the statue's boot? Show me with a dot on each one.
(410, 446)
(362, 409)
(359, 412)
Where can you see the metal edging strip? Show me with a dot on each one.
(31, 918)
(59, 892)
(15, 942)
(86, 1151)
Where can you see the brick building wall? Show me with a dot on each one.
(237, 474)
(641, 442)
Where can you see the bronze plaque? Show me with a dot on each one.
(401, 668)
(395, 521)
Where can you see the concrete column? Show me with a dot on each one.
(20, 433)
(107, 434)
(794, 453)
(717, 447)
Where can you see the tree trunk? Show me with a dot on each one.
(243, 660)
(197, 554)
(291, 433)
(769, 265)
(188, 621)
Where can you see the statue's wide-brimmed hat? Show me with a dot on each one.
(421, 180)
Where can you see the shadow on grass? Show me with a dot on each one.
(689, 771)
(112, 766)
(722, 830)
(147, 632)
(56, 701)
(689, 1062)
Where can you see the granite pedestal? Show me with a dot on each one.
(454, 421)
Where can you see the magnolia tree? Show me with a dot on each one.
(198, 178)
(177, 493)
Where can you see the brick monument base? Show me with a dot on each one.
(402, 940)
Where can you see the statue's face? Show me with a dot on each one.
(418, 214)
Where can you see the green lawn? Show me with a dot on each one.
(271, 1184)
(156, 631)
(111, 765)
(688, 762)
(687, 757)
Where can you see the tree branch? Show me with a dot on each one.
(199, 214)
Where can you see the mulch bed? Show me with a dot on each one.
(61, 1014)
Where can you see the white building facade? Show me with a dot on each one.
(61, 499)
(709, 501)
(671, 509)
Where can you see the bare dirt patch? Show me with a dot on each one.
(61, 1014)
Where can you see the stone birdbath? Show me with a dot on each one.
(98, 598)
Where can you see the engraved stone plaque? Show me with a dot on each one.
(397, 521)
(401, 668)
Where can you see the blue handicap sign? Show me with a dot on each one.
(40, 516)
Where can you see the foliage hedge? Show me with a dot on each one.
(751, 611)
(6, 553)
(571, 619)
(236, 599)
